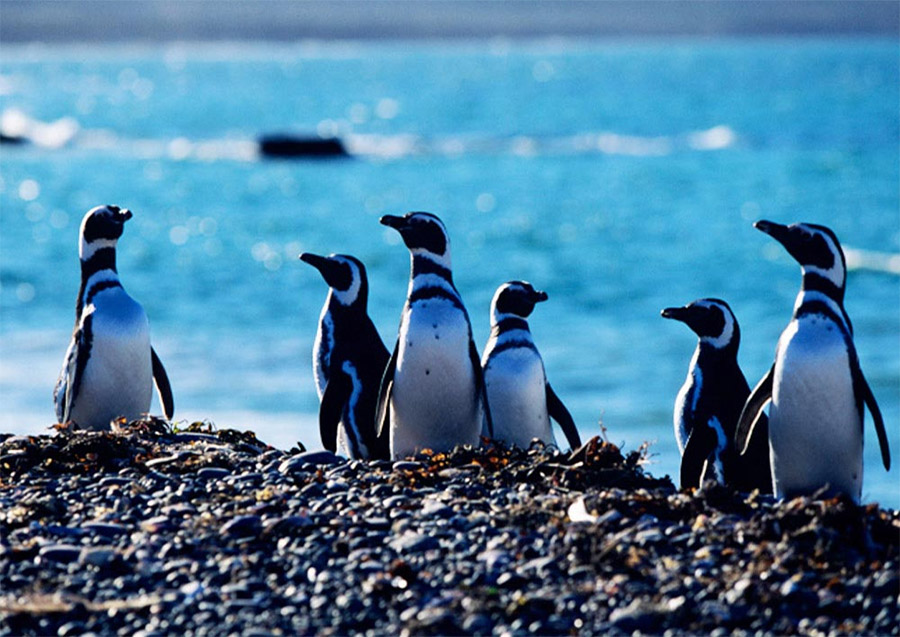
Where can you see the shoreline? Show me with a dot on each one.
(152, 532)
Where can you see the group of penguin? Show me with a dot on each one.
(812, 440)
(435, 392)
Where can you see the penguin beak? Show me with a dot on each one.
(393, 221)
(676, 313)
(125, 215)
(775, 230)
(691, 315)
(327, 267)
(539, 296)
(791, 237)
(314, 260)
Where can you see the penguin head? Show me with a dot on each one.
(344, 274)
(814, 247)
(423, 233)
(710, 319)
(101, 227)
(515, 298)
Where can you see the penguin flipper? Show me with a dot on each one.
(862, 389)
(335, 396)
(383, 408)
(560, 414)
(753, 409)
(694, 458)
(61, 394)
(163, 388)
(480, 387)
(73, 370)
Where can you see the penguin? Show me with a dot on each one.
(815, 385)
(349, 359)
(710, 401)
(110, 367)
(432, 393)
(522, 400)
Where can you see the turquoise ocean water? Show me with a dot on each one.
(621, 177)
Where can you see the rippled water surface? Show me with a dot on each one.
(619, 177)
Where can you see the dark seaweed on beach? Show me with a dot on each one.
(153, 530)
(140, 443)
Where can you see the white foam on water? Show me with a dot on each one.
(56, 134)
(871, 260)
(715, 138)
(66, 131)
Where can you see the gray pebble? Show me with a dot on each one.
(243, 526)
(322, 457)
(414, 543)
(99, 556)
(213, 473)
(106, 529)
(408, 465)
(61, 553)
(158, 524)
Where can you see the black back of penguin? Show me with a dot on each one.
(354, 357)
(711, 401)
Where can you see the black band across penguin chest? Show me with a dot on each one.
(507, 341)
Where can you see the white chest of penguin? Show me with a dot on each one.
(434, 349)
(434, 401)
(686, 402)
(323, 347)
(516, 387)
(814, 409)
(118, 374)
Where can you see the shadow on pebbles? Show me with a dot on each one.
(148, 531)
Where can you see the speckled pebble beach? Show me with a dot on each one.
(149, 532)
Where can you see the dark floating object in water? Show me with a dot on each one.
(287, 146)
(16, 140)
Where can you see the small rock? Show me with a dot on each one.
(539, 564)
(106, 529)
(648, 536)
(322, 457)
(434, 509)
(408, 465)
(71, 628)
(160, 462)
(394, 501)
(112, 481)
(609, 517)
(454, 473)
(301, 461)
(158, 524)
(414, 543)
(637, 616)
(478, 624)
(99, 556)
(60, 553)
(243, 526)
(511, 580)
(287, 523)
(213, 473)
